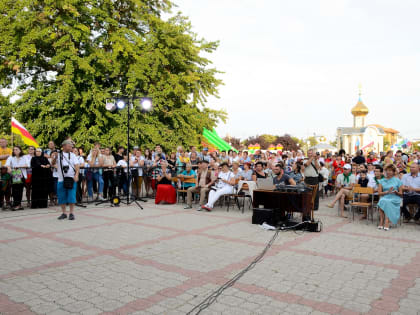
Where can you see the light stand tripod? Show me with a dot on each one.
(146, 104)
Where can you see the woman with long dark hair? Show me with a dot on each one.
(41, 180)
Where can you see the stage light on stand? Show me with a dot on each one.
(110, 106)
(146, 103)
(120, 104)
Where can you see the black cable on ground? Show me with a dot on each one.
(215, 294)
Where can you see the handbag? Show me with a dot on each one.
(320, 176)
(17, 176)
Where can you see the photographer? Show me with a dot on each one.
(68, 175)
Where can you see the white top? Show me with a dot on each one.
(226, 176)
(132, 159)
(14, 161)
(340, 180)
(325, 173)
(81, 162)
(69, 159)
(123, 164)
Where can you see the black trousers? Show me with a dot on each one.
(17, 192)
(79, 192)
(313, 181)
(109, 184)
(410, 199)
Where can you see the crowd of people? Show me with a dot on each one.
(70, 175)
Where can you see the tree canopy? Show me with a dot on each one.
(67, 57)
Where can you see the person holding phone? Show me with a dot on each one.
(390, 190)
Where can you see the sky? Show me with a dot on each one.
(294, 66)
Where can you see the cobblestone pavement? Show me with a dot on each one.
(166, 260)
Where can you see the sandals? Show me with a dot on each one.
(380, 227)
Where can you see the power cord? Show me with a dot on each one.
(215, 294)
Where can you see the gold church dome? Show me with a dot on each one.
(360, 109)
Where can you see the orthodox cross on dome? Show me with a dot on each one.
(360, 92)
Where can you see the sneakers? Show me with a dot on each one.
(188, 207)
(62, 216)
(100, 198)
(71, 216)
(200, 209)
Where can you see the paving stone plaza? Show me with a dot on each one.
(166, 260)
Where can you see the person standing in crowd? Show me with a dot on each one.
(158, 151)
(148, 169)
(53, 187)
(108, 174)
(311, 172)
(411, 188)
(390, 190)
(28, 181)
(205, 179)
(120, 154)
(67, 166)
(41, 178)
(224, 186)
(95, 161)
(137, 164)
(81, 183)
(345, 182)
(17, 165)
(50, 150)
(122, 169)
(5, 153)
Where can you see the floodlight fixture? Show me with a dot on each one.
(146, 103)
(120, 104)
(110, 106)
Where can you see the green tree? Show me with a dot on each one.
(68, 57)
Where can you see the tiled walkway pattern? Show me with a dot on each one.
(165, 260)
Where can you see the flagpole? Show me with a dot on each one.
(11, 131)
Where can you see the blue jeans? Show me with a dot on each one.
(98, 178)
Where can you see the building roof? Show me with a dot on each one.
(360, 109)
(387, 130)
(356, 131)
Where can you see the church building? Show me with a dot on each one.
(361, 136)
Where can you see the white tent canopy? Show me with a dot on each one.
(323, 147)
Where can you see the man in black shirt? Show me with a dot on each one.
(359, 158)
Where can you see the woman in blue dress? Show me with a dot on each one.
(390, 190)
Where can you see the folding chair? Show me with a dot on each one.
(357, 193)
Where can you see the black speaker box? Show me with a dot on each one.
(259, 216)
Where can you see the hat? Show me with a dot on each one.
(205, 149)
(347, 167)
(135, 147)
(68, 141)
